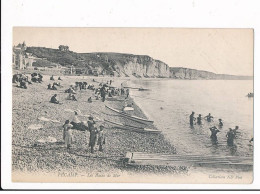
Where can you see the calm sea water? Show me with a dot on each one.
(170, 102)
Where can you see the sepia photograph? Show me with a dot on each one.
(132, 105)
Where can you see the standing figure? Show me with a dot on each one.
(127, 93)
(92, 138)
(214, 132)
(220, 124)
(209, 117)
(230, 137)
(192, 118)
(68, 134)
(235, 130)
(91, 122)
(103, 93)
(199, 118)
(101, 138)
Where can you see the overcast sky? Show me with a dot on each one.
(228, 51)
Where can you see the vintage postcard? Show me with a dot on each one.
(132, 105)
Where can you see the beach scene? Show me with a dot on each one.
(130, 105)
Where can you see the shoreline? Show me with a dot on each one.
(31, 156)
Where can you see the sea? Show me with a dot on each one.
(169, 104)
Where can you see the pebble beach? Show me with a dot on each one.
(37, 132)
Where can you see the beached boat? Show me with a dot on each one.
(133, 118)
(132, 128)
(156, 159)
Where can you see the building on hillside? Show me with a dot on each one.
(20, 58)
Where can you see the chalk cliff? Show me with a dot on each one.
(119, 64)
(186, 73)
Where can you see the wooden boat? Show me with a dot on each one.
(132, 128)
(250, 95)
(140, 89)
(133, 118)
(156, 159)
(143, 89)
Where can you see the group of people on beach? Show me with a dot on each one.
(101, 92)
(231, 134)
(23, 79)
(97, 136)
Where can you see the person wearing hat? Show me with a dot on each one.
(199, 119)
(101, 138)
(220, 124)
(192, 118)
(91, 122)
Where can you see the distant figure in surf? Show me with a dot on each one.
(220, 124)
(235, 130)
(199, 118)
(192, 118)
(209, 117)
(52, 78)
(230, 137)
(214, 132)
(252, 139)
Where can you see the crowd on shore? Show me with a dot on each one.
(101, 92)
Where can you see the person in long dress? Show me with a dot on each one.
(68, 137)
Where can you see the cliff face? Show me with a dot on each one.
(140, 66)
(185, 73)
(120, 64)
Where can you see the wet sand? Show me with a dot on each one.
(30, 156)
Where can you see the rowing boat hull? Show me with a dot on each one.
(132, 128)
(133, 118)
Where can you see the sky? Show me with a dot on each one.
(223, 51)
